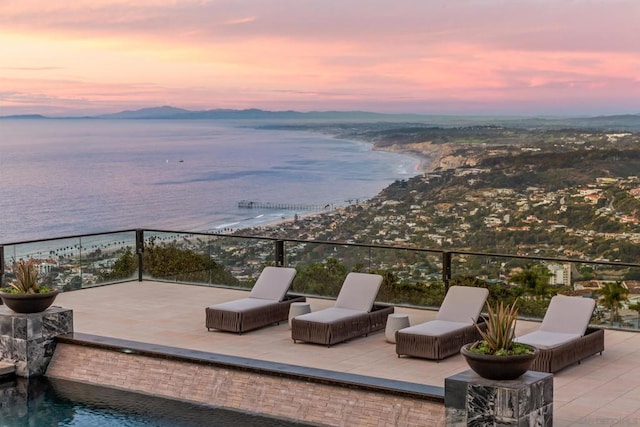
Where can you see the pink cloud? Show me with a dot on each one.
(369, 54)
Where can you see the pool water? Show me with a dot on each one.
(43, 402)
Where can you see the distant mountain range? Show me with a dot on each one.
(167, 112)
(626, 122)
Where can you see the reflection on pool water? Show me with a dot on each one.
(44, 402)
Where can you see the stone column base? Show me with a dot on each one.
(471, 400)
(28, 340)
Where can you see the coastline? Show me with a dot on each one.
(429, 156)
(199, 193)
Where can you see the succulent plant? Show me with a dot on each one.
(27, 277)
(499, 337)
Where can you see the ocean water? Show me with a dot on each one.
(62, 177)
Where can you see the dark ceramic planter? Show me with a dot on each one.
(28, 303)
(500, 368)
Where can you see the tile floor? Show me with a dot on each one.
(602, 390)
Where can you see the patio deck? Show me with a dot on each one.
(603, 390)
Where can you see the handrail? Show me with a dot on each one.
(276, 251)
(279, 249)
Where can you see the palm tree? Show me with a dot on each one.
(613, 294)
(534, 279)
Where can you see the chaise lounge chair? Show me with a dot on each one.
(354, 313)
(454, 326)
(564, 337)
(267, 303)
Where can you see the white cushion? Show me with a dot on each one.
(243, 304)
(434, 328)
(546, 340)
(359, 291)
(330, 314)
(273, 283)
(462, 304)
(569, 315)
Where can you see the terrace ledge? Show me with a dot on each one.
(314, 375)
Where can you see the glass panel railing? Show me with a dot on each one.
(411, 277)
(615, 287)
(75, 262)
(617, 293)
(322, 267)
(205, 259)
(414, 277)
(509, 279)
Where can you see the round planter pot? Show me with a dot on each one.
(28, 303)
(500, 368)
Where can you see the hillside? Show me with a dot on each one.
(556, 193)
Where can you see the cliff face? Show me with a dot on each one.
(448, 159)
(435, 156)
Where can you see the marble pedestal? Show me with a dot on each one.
(28, 340)
(471, 400)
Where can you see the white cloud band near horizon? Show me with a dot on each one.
(567, 57)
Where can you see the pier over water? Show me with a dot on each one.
(250, 204)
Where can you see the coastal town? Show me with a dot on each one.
(570, 195)
(501, 198)
(577, 197)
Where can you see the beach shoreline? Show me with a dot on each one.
(429, 157)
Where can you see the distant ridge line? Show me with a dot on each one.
(617, 122)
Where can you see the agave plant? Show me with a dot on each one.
(27, 277)
(499, 337)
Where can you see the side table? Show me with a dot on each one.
(395, 322)
(298, 308)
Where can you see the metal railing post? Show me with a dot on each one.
(446, 269)
(279, 253)
(1, 265)
(139, 251)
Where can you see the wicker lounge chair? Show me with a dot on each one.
(354, 313)
(453, 327)
(268, 303)
(564, 337)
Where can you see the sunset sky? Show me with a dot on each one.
(481, 57)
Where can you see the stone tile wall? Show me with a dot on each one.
(242, 390)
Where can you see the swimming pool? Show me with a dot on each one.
(44, 402)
